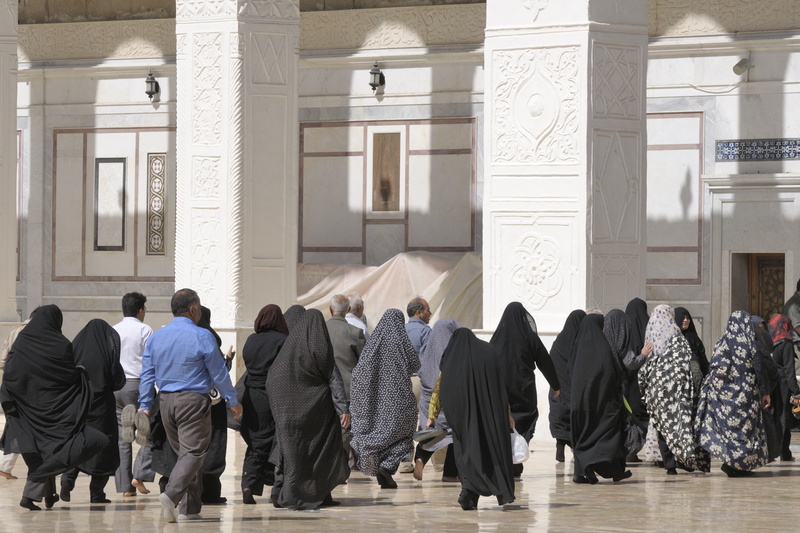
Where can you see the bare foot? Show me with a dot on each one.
(418, 466)
(140, 486)
(8, 475)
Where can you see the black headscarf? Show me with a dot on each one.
(596, 410)
(521, 350)
(46, 399)
(617, 329)
(97, 348)
(690, 333)
(560, 354)
(205, 323)
(637, 312)
(293, 316)
(306, 422)
(473, 394)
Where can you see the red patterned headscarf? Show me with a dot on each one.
(780, 328)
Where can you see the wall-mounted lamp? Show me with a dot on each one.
(151, 86)
(376, 78)
(742, 66)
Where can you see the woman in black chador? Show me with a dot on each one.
(473, 394)
(521, 351)
(597, 415)
(559, 405)
(258, 426)
(46, 399)
(97, 350)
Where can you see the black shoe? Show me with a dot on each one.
(466, 500)
(735, 472)
(659, 464)
(385, 479)
(50, 501)
(275, 504)
(785, 457)
(591, 477)
(625, 475)
(672, 472)
(27, 503)
(329, 502)
(100, 500)
(581, 480)
(65, 493)
(560, 452)
(247, 497)
(632, 458)
(217, 501)
(682, 466)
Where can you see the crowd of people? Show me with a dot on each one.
(319, 399)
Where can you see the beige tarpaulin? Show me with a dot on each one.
(452, 284)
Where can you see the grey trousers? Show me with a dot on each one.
(128, 469)
(37, 490)
(187, 420)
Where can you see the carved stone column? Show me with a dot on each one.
(237, 138)
(564, 203)
(8, 161)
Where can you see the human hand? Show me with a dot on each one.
(431, 423)
(511, 422)
(237, 411)
(345, 418)
(647, 349)
(765, 401)
(231, 353)
(556, 393)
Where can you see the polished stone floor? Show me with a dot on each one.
(547, 500)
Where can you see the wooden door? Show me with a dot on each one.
(766, 284)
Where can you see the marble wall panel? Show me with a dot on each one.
(68, 204)
(616, 187)
(615, 280)
(672, 267)
(152, 265)
(674, 192)
(333, 258)
(440, 136)
(674, 129)
(384, 241)
(265, 287)
(333, 201)
(267, 112)
(333, 139)
(441, 206)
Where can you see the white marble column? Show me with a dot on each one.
(237, 63)
(565, 140)
(8, 161)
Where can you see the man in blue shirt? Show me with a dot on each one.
(183, 360)
(417, 328)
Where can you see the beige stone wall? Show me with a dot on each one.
(45, 11)
(673, 18)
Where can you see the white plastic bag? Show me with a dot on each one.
(519, 448)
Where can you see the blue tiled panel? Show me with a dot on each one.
(758, 150)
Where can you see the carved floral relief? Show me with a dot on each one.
(207, 77)
(536, 105)
(535, 276)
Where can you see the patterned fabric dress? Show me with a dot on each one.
(382, 404)
(668, 388)
(728, 422)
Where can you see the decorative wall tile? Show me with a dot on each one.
(758, 150)
(205, 177)
(536, 105)
(156, 191)
(535, 274)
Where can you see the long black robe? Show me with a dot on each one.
(560, 354)
(690, 333)
(596, 409)
(473, 394)
(306, 423)
(637, 312)
(258, 427)
(521, 350)
(97, 348)
(46, 400)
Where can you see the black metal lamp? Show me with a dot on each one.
(376, 78)
(151, 86)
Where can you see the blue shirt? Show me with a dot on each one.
(418, 333)
(183, 357)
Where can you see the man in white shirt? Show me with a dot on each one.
(355, 317)
(133, 335)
